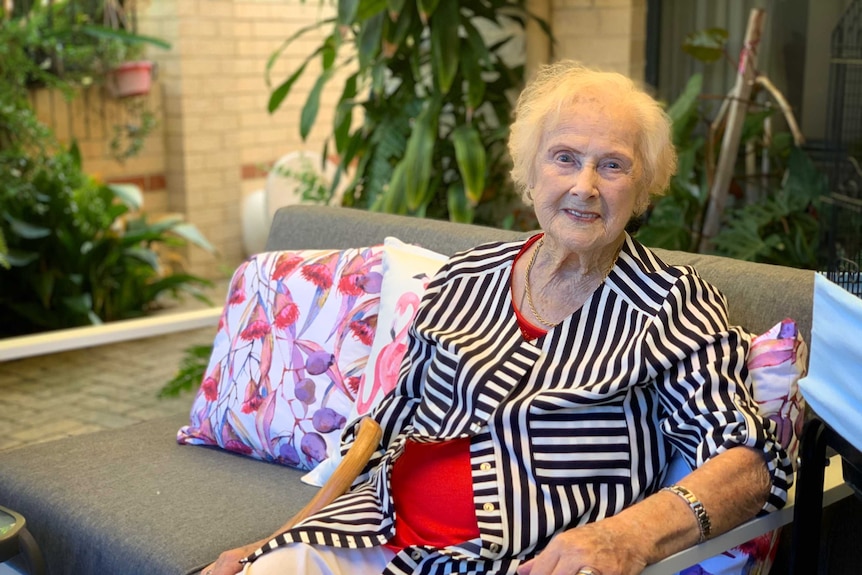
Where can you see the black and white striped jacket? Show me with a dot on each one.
(565, 430)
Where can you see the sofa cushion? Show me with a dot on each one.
(407, 269)
(291, 347)
(132, 500)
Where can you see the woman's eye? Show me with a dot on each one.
(565, 157)
(613, 165)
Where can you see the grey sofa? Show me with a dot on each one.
(134, 501)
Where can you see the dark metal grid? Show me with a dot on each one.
(842, 208)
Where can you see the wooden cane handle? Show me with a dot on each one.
(354, 461)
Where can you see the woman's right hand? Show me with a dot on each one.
(228, 562)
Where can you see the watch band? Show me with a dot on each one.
(697, 508)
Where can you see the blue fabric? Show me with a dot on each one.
(833, 387)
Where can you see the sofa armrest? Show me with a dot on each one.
(834, 489)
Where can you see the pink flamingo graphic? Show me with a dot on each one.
(388, 361)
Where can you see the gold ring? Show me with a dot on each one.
(587, 571)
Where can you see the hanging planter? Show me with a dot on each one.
(131, 79)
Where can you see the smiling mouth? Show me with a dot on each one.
(582, 215)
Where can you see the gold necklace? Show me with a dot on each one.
(533, 309)
(527, 286)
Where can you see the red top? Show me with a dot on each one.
(432, 485)
(528, 330)
(432, 488)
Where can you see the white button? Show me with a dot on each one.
(416, 555)
(475, 427)
(494, 547)
(488, 507)
(485, 467)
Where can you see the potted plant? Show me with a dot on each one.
(436, 91)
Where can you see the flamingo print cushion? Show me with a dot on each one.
(777, 360)
(291, 347)
(407, 269)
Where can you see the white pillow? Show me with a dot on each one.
(407, 269)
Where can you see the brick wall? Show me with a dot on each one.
(215, 137)
(217, 128)
(90, 118)
(609, 34)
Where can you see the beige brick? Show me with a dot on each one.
(211, 48)
(203, 67)
(156, 201)
(235, 28)
(200, 28)
(188, 7)
(202, 143)
(220, 160)
(196, 105)
(594, 51)
(271, 29)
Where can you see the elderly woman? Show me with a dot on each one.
(548, 381)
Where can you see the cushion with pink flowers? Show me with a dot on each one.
(292, 343)
(777, 360)
(407, 269)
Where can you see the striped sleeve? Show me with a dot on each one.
(704, 383)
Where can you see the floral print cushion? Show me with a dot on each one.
(777, 361)
(407, 269)
(292, 344)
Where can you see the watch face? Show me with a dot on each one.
(7, 522)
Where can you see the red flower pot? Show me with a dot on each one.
(131, 79)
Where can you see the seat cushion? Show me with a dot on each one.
(134, 501)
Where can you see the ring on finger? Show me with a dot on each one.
(587, 571)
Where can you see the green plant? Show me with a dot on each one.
(436, 98)
(78, 254)
(772, 215)
(782, 228)
(128, 138)
(190, 373)
(311, 185)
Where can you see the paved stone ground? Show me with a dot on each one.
(82, 391)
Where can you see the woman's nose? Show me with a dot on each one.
(585, 182)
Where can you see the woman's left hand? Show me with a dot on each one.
(594, 548)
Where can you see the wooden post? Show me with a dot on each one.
(745, 76)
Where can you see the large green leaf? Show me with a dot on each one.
(191, 233)
(706, 45)
(130, 194)
(419, 156)
(427, 8)
(27, 230)
(444, 43)
(460, 208)
(347, 11)
(344, 114)
(279, 94)
(312, 105)
(683, 111)
(123, 36)
(394, 192)
(470, 155)
(369, 8)
(396, 31)
(369, 40)
(395, 6)
(473, 75)
(273, 58)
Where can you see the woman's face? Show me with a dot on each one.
(587, 175)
